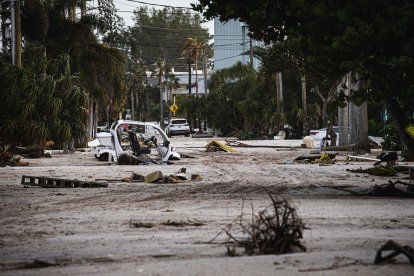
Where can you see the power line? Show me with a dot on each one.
(227, 58)
(150, 12)
(159, 5)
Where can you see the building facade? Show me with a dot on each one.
(232, 44)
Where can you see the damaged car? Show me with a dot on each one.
(133, 138)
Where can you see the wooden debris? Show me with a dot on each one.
(154, 177)
(396, 250)
(214, 145)
(377, 171)
(314, 157)
(134, 178)
(276, 229)
(363, 158)
(183, 223)
(138, 224)
(46, 182)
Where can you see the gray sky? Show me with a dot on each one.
(125, 5)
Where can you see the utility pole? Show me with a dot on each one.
(251, 52)
(279, 92)
(189, 76)
(161, 92)
(205, 70)
(13, 30)
(132, 105)
(305, 108)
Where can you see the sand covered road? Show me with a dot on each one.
(91, 231)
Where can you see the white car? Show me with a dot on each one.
(118, 141)
(319, 134)
(178, 126)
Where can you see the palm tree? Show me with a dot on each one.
(191, 52)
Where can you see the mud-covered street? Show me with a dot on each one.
(83, 231)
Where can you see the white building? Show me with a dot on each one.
(232, 44)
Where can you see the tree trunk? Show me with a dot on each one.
(358, 118)
(343, 119)
(18, 36)
(400, 120)
(83, 8)
(359, 127)
(3, 27)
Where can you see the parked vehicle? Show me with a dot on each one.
(118, 140)
(319, 134)
(178, 126)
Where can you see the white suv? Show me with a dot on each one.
(178, 127)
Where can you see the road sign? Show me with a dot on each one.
(174, 108)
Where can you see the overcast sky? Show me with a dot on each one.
(126, 5)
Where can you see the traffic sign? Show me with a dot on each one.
(174, 108)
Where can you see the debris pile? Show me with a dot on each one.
(214, 145)
(275, 230)
(180, 223)
(321, 158)
(377, 171)
(159, 177)
(392, 189)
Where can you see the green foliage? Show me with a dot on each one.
(373, 38)
(391, 137)
(162, 34)
(238, 103)
(38, 107)
(99, 66)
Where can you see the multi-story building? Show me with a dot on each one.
(232, 44)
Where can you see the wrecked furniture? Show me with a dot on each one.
(396, 250)
(214, 145)
(123, 138)
(48, 182)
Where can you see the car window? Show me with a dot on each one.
(178, 122)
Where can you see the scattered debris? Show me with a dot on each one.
(315, 157)
(46, 182)
(159, 177)
(138, 224)
(387, 190)
(325, 160)
(134, 178)
(396, 250)
(377, 171)
(11, 159)
(275, 230)
(183, 223)
(235, 143)
(186, 156)
(390, 189)
(388, 157)
(154, 177)
(214, 145)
